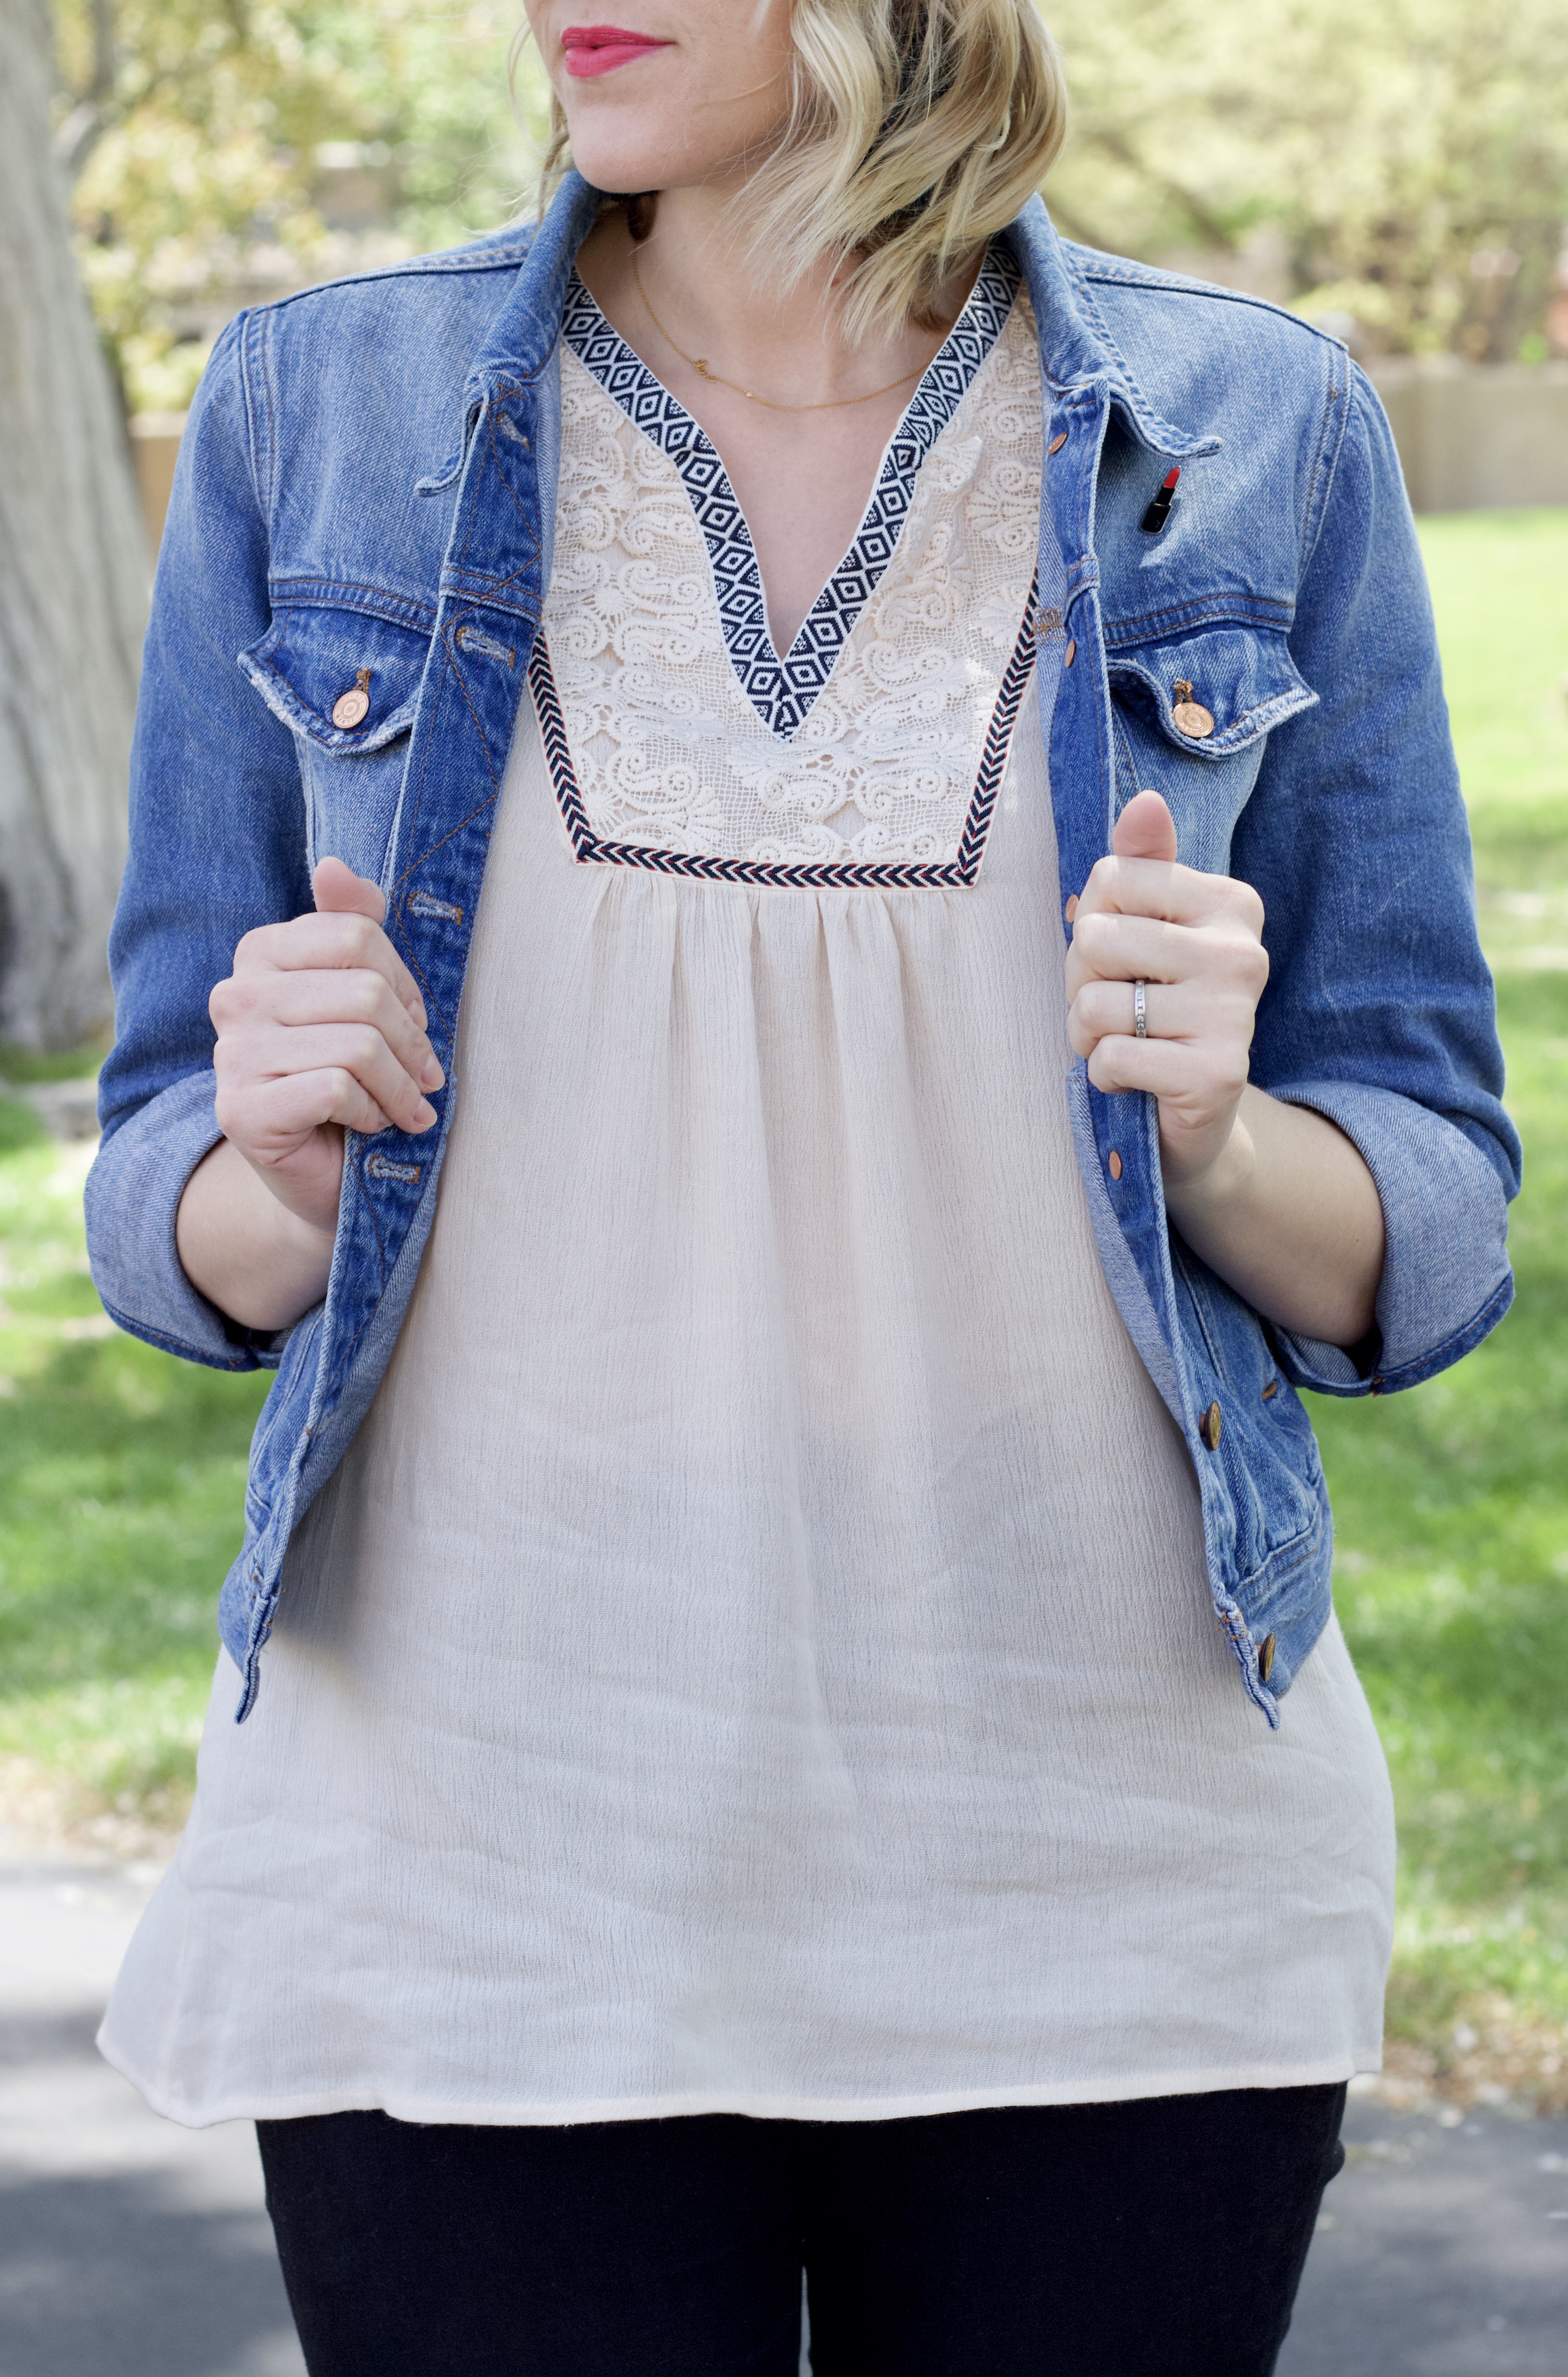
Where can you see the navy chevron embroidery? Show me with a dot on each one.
(823, 875)
(782, 692)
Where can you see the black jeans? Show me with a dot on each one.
(1162, 2237)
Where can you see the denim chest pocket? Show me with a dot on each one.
(1193, 713)
(346, 684)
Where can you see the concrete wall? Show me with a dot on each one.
(155, 442)
(1471, 436)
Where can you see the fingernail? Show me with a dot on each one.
(424, 1115)
(430, 1075)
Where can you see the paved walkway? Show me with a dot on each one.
(131, 2247)
(1442, 2251)
(128, 2247)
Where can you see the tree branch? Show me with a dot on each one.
(1117, 145)
(80, 133)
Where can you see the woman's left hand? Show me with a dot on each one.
(1196, 943)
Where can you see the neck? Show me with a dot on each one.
(790, 342)
(712, 301)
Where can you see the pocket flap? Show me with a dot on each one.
(311, 658)
(1241, 676)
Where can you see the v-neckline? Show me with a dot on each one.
(782, 691)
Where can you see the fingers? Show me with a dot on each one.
(1211, 1011)
(1124, 949)
(359, 1050)
(338, 890)
(1145, 829)
(248, 1062)
(338, 938)
(1198, 1080)
(1129, 885)
(321, 1023)
(276, 1117)
(1195, 942)
(256, 1001)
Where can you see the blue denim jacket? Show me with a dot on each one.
(369, 479)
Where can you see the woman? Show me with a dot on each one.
(803, 1725)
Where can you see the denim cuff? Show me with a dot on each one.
(1446, 1280)
(133, 1195)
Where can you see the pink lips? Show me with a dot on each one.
(599, 48)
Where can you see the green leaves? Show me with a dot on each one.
(203, 187)
(1403, 167)
(1400, 171)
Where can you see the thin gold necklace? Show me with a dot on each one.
(699, 363)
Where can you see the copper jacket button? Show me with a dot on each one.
(1208, 1428)
(351, 707)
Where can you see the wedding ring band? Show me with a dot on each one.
(1140, 1012)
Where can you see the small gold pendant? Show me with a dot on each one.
(1190, 717)
(352, 707)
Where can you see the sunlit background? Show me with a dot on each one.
(1398, 172)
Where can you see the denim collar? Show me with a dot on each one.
(523, 334)
(1076, 349)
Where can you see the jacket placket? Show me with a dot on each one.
(1117, 1137)
(491, 589)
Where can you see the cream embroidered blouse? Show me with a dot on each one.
(817, 1710)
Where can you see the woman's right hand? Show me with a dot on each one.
(321, 1026)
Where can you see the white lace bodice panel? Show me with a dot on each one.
(655, 684)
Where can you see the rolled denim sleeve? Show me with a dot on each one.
(217, 846)
(1379, 1010)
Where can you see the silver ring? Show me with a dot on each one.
(1140, 1012)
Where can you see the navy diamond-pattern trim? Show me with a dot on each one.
(825, 874)
(782, 692)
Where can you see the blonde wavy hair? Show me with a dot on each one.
(916, 128)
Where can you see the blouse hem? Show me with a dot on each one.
(488, 2114)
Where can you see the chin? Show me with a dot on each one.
(623, 145)
(622, 166)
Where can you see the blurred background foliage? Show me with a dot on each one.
(1403, 168)
(222, 151)
(1400, 174)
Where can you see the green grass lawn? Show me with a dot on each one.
(1452, 1501)
(122, 1475)
(121, 1470)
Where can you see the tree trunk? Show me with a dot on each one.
(73, 586)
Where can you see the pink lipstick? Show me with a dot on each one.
(599, 48)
